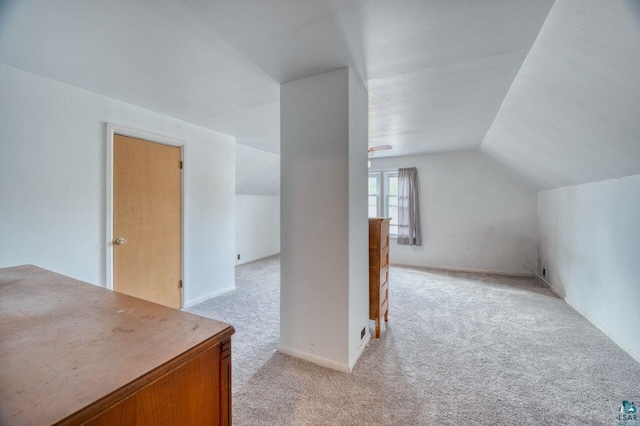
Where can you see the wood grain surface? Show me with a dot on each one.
(69, 349)
(147, 209)
(378, 270)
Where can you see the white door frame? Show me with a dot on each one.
(115, 129)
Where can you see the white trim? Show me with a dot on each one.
(244, 262)
(382, 175)
(323, 362)
(474, 271)
(605, 330)
(385, 170)
(363, 345)
(378, 177)
(111, 131)
(206, 297)
(555, 291)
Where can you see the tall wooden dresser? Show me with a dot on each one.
(379, 270)
(76, 354)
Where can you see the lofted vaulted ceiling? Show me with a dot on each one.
(437, 71)
(156, 54)
(442, 75)
(572, 115)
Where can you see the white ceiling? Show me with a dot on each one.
(159, 55)
(572, 115)
(437, 71)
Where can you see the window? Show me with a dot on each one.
(383, 197)
(391, 200)
(374, 194)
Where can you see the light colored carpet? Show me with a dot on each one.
(460, 349)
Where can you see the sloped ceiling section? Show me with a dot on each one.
(158, 55)
(572, 114)
(257, 172)
(437, 71)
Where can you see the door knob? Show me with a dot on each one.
(121, 241)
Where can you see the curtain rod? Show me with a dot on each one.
(392, 170)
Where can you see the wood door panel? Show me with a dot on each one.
(147, 204)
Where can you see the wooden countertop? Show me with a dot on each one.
(65, 344)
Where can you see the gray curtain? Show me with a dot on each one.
(408, 208)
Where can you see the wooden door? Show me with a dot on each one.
(147, 223)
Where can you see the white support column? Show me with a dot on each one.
(324, 228)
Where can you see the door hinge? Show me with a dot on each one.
(181, 164)
(180, 284)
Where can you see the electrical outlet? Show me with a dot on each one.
(362, 333)
(238, 256)
(544, 272)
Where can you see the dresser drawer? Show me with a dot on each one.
(384, 275)
(379, 240)
(384, 237)
(383, 307)
(384, 257)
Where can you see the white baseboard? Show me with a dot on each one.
(363, 345)
(607, 332)
(323, 362)
(197, 300)
(244, 262)
(555, 291)
(474, 271)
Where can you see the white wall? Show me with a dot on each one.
(316, 214)
(257, 171)
(358, 221)
(257, 203)
(257, 227)
(52, 182)
(475, 214)
(589, 245)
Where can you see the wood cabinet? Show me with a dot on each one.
(379, 270)
(74, 353)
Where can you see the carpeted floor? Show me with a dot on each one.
(459, 349)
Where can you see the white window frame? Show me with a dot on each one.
(383, 198)
(379, 195)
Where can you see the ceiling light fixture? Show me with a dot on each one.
(373, 150)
